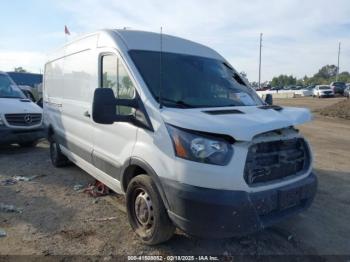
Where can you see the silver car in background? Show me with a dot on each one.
(323, 91)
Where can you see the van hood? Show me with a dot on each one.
(242, 126)
(18, 106)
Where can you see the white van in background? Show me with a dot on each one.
(20, 118)
(171, 124)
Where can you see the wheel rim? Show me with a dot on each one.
(143, 209)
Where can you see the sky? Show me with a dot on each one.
(299, 37)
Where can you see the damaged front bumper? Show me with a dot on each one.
(216, 213)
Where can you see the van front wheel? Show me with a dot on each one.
(57, 158)
(146, 212)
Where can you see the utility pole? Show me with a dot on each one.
(336, 78)
(260, 60)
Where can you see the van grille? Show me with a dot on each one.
(23, 119)
(268, 161)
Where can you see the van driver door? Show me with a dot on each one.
(113, 143)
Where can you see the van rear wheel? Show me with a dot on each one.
(57, 158)
(146, 212)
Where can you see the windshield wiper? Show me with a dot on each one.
(231, 105)
(178, 103)
(183, 104)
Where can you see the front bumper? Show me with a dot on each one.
(14, 135)
(327, 95)
(216, 213)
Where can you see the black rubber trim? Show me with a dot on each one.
(149, 170)
(107, 166)
(223, 112)
(274, 107)
(73, 147)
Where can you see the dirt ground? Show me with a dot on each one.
(57, 220)
(340, 109)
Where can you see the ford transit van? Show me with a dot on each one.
(172, 125)
(20, 118)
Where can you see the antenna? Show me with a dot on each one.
(160, 69)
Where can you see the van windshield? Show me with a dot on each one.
(8, 89)
(192, 81)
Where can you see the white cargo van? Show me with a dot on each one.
(172, 125)
(20, 118)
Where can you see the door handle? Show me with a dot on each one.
(87, 114)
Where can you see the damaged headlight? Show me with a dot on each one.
(199, 147)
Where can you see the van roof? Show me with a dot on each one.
(135, 40)
(142, 40)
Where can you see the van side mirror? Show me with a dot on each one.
(269, 99)
(104, 107)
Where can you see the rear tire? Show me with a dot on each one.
(57, 158)
(146, 211)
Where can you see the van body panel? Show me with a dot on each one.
(113, 145)
(69, 90)
(155, 148)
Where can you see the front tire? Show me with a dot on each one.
(146, 212)
(57, 158)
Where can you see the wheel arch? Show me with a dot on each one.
(137, 166)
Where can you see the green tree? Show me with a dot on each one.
(20, 69)
(324, 76)
(283, 80)
(327, 72)
(344, 77)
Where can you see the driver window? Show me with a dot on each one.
(115, 76)
(109, 73)
(126, 89)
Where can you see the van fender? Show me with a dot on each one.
(138, 162)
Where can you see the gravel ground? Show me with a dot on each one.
(58, 220)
